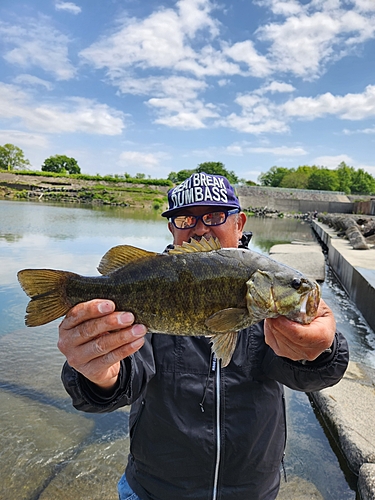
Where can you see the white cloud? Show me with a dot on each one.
(33, 81)
(359, 131)
(173, 86)
(141, 160)
(68, 7)
(169, 42)
(158, 41)
(37, 44)
(244, 52)
(279, 151)
(244, 148)
(23, 139)
(313, 35)
(276, 87)
(71, 115)
(365, 5)
(349, 106)
(333, 162)
(258, 115)
(281, 7)
(185, 115)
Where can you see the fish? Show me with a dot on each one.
(196, 289)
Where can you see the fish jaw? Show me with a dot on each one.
(269, 296)
(308, 306)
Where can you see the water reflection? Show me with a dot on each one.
(48, 449)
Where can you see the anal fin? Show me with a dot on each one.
(223, 345)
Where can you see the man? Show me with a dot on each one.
(198, 431)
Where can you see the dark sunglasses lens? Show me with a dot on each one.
(184, 221)
(214, 218)
(190, 221)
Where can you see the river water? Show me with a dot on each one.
(50, 451)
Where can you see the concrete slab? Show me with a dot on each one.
(366, 482)
(306, 258)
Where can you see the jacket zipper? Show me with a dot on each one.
(216, 368)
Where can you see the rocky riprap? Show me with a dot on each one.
(358, 229)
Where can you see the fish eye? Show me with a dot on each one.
(296, 283)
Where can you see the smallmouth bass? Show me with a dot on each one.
(197, 288)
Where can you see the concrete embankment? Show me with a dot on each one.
(348, 408)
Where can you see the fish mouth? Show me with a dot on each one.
(307, 308)
(310, 303)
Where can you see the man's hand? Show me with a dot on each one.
(295, 341)
(94, 339)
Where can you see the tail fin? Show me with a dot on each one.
(46, 288)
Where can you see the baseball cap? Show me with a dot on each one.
(201, 189)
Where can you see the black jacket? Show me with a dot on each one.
(202, 432)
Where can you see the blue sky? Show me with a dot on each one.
(159, 86)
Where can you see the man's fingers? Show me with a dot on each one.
(85, 311)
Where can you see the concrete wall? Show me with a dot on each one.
(364, 207)
(293, 200)
(357, 277)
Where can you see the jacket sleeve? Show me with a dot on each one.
(310, 376)
(135, 372)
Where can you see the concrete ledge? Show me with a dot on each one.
(307, 258)
(366, 482)
(348, 409)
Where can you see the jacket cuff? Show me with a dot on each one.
(87, 396)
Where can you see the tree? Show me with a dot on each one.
(178, 177)
(345, 176)
(295, 180)
(323, 179)
(274, 176)
(12, 158)
(217, 168)
(209, 167)
(362, 182)
(61, 164)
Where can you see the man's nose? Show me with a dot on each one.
(201, 228)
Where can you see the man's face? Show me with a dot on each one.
(228, 233)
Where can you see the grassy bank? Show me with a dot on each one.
(78, 188)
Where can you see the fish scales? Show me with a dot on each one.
(195, 289)
(169, 294)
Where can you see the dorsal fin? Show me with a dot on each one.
(197, 246)
(120, 256)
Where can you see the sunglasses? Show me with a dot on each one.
(209, 219)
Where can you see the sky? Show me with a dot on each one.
(153, 87)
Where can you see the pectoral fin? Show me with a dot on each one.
(223, 345)
(228, 320)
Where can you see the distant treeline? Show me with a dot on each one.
(344, 178)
